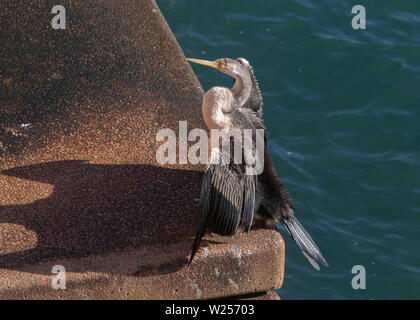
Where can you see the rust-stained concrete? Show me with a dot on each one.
(80, 185)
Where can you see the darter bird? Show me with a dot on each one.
(232, 200)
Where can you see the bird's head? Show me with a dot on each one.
(234, 68)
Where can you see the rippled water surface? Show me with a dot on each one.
(342, 110)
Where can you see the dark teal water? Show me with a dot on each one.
(342, 109)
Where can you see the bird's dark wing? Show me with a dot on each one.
(227, 201)
(250, 183)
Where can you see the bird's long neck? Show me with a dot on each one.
(241, 89)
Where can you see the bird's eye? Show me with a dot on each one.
(221, 64)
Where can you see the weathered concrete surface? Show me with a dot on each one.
(81, 187)
(227, 267)
(268, 295)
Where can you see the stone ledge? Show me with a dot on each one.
(242, 264)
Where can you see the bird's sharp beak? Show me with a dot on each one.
(212, 64)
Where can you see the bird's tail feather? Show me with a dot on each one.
(304, 241)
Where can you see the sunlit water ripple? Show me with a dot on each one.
(341, 107)
(342, 111)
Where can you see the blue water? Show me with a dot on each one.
(342, 109)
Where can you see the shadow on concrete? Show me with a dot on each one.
(99, 208)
